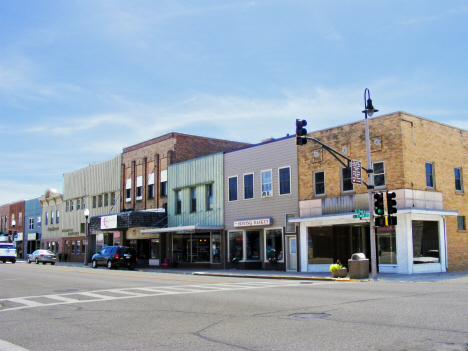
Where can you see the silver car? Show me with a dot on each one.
(44, 256)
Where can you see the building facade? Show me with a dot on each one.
(195, 214)
(51, 204)
(421, 161)
(4, 217)
(33, 225)
(97, 189)
(145, 192)
(260, 196)
(16, 222)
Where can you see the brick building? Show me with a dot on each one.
(421, 160)
(144, 190)
(16, 225)
(4, 215)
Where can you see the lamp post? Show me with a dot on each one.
(86, 214)
(13, 223)
(369, 111)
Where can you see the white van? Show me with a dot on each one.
(7, 252)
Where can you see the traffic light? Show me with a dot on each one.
(301, 132)
(391, 208)
(379, 210)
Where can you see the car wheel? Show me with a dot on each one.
(43, 263)
(29, 261)
(94, 264)
(109, 264)
(37, 261)
(4, 261)
(52, 263)
(13, 260)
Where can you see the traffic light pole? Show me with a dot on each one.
(370, 187)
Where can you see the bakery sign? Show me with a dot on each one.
(109, 222)
(253, 222)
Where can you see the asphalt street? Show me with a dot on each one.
(70, 307)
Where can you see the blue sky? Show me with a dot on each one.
(80, 80)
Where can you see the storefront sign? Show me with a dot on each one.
(32, 236)
(253, 222)
(109, 222)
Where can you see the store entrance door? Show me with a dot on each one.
(291, 259)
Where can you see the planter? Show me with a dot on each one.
(340, 273)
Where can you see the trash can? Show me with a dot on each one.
(358, 266)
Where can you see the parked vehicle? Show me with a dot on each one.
(7, 252)
(115, 256)
(44, 256)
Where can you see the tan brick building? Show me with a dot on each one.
(421, 160)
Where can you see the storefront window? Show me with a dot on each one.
(386, 244)
(320, 245)
(154, 249)
(274, 244)
(216, 247)
(252, 245)
(236, 245)
(426, 246)
(78, 246)
(192, 248)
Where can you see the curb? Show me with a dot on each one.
(277, 277)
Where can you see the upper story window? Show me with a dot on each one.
(193, 199)
(285, 180)
(57, 214)
(78, 204)
(128, 190)
(39, 219)
(178, 202)
(458, 179)
(164, 183)
(430, 175)
(71, 205)
(209, 197)
(67, 206)
(46, 218)
(139, 188)
(319, 183)
(94, 202)
(83, 203)
(379, 174)
(99, 200)
(461, 223)
(248, 186)
(31, 223)
(346, 180)
(106, 199)
(267, 189)
(112, 199)
(233, 189)
(51, 217)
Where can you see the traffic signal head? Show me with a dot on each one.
(379, 208)
(391, 203)
(301, 132)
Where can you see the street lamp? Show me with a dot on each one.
(86, 214)
(13, 223)
(369, 111)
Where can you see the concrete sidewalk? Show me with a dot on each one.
(417, 278)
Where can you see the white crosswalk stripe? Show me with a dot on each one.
(17, 303)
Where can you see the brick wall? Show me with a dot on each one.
(407, 142)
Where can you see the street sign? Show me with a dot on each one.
(360, 214)
(356, 171)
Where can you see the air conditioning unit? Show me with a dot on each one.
(268, 193)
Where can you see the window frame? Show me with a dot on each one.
(178, 202)
(342, 179)
(263, 184)
(193, 199)
(233, 191)
(431, 175)
(383, 174)
(315, 183)
(460, 179)
(209, 197)
(461, 220)
(250, 186)
(289, 180)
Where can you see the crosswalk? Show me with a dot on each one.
(17, 303)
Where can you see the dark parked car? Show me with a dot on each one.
(115, 256)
